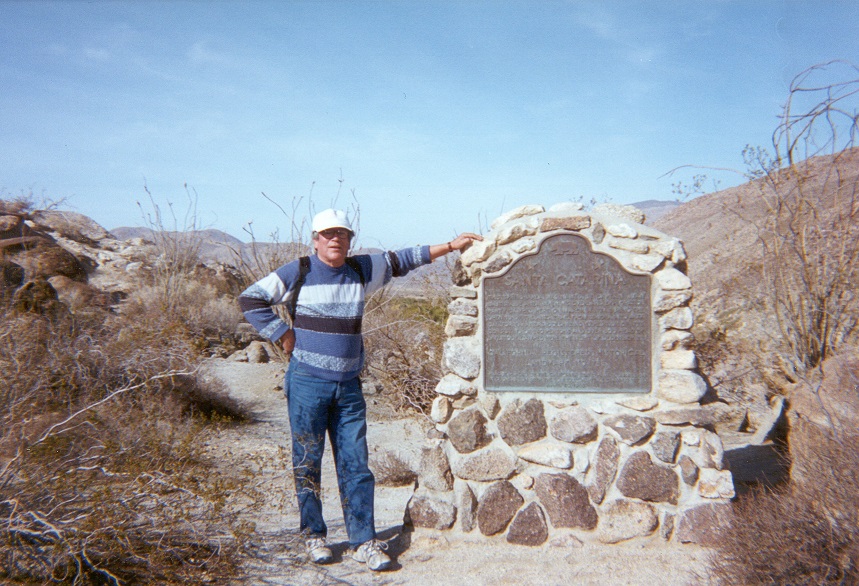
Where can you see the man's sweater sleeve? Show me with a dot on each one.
(396, 264)
(257, 300)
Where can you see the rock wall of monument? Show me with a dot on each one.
(571, 467)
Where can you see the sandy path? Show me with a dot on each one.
(422, 557)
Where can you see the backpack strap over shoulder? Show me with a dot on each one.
(303, 269)
(356, 266)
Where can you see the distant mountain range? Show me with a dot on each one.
(218, 245)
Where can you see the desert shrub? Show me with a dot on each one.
(198, 308)
(809, 233)
(102, 474)
(404, 338)
(804, 533)
(391, 470)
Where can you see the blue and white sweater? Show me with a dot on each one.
(329, 309)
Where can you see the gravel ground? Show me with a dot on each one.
(421, 557)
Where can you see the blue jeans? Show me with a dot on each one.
(317, 406)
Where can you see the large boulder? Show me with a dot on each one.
(48, 260)
(71, 225)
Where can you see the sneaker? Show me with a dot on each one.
(318, 551)
(371, 553)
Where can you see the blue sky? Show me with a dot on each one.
(439, 115)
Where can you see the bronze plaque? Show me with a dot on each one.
(567, 319)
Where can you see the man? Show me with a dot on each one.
(327, 355)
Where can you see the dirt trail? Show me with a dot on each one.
(421, 557)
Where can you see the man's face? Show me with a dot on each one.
(332, 245)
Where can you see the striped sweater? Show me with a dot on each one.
(329, 309)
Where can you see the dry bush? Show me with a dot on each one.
(102, 480)
(804, 533)
(404, 337)
(199, 308)
(810, 232)
(391, 470)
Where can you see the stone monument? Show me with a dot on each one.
(571, 407)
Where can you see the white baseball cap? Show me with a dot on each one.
(331, 218)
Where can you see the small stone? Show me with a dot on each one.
(523, 245)
(434, 471)
(672, 339)
(498, 262)
(463, 292)
(566, 501)
(463, 307)
(440, 410)
(520, 212)
(640, 478)
(257, 353)
(688, 470)
(622, 230)
(491, 405)
(687, 415)
(514, 231)
(467, 431)
(453, 386)
(666, 528)
(497, 507)
(631, 429)
(548, 454)
(711, 452)
(665, 445)
(522, 423)
(462, 357)
(571, 223)
(462, 403)
(466, 505)
(678, 360)
(680, 318)
(479, 251)
(528, 527)
(606, 467)
(681, 386)
(598, 233)
(667, 300)
(715, 484)
(646, 263)
(491, 463)
(623, 519)
(574, 424)
(635, 246)
(671, 249)
(432, 513)
(704, 524)
(670, 279)
(640, 403)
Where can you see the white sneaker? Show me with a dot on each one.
(318, 551)
(372, 554)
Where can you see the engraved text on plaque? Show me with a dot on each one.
(567, 319)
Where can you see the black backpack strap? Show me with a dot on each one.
(303, 269)
(356, 266)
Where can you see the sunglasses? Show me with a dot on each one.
(330, 233)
